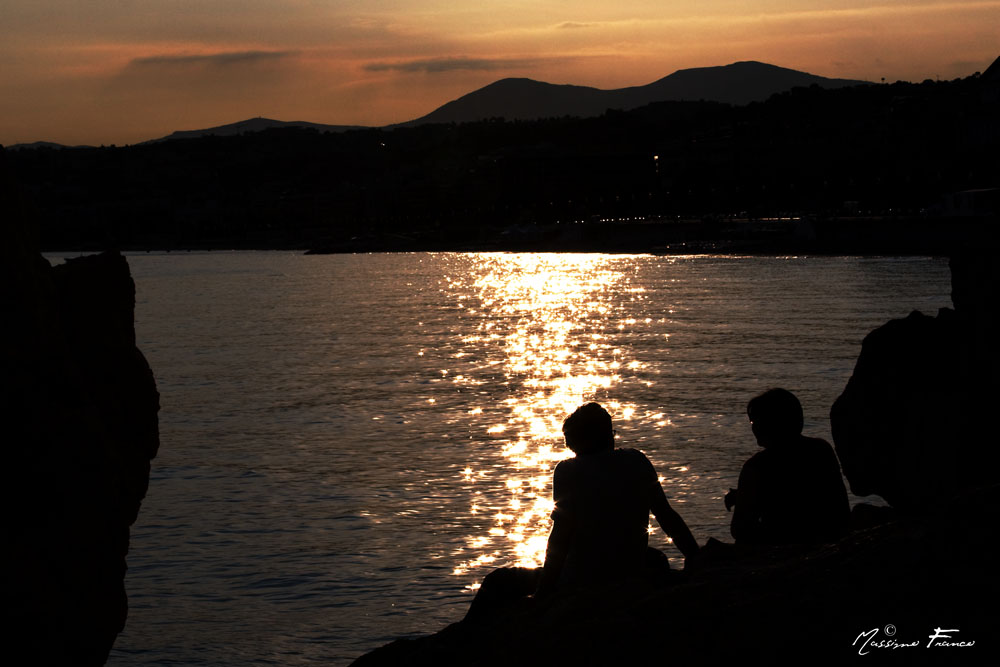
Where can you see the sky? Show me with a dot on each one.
(123, 71)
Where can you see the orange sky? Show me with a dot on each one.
(123, 71)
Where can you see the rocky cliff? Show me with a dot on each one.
(915, 422)
(79, 418)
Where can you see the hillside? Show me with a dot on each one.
(915, 155)
(251, 125)
(525, 99)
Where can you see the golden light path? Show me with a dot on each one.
(553, 318)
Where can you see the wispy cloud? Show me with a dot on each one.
(248, 75)
(438, 65)
(225, 59)
(572, 25)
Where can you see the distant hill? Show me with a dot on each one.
(701, 168)
(250, 125)
(232, 129)
(525, 99)
(40, 144)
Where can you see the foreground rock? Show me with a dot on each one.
(79, 429)
(778, 605)
(915, 422)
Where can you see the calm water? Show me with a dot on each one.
(351, 442)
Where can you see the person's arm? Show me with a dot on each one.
(672, 523)
(731, 499)
(745, 526)
(555, 555)
(561, 536)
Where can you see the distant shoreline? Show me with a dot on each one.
(856, 236)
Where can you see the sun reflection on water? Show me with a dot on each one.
(548, 324)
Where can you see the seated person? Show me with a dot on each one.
(599, 532)
(603, 498)
(791, 492)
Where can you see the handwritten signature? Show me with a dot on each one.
(940, 639)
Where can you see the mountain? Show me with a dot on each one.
(525, 99)
(40, 144)
(232, 129)
(250, 125)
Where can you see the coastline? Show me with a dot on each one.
(855, 236)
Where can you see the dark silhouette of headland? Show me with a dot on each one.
(79, 415)
(869, 169)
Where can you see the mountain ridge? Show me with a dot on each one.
(522, 98)
(255, 124)
(738, 83)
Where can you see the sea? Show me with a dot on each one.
(349, 443)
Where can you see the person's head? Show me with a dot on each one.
(775, 417)
(588, 430)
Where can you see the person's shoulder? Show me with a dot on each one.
(761, 457)
(631, 454)
(817, 446)
(635, 460)
(565, 465)
(563, 474)
(819, 453)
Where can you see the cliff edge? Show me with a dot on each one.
(80, 428)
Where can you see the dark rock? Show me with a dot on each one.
(893, 419)
(911, 425)
(865, 515)
(760, 605)
(80, 427)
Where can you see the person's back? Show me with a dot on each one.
(606, 496)
(792, 491)
(603, 498)
(797, 495)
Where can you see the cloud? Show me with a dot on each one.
(198, 77)
(570, 25)
(438, 65)
(224, 59)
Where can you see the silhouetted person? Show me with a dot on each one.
(603, 498)
(792, 491)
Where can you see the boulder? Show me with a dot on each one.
(912, 425)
